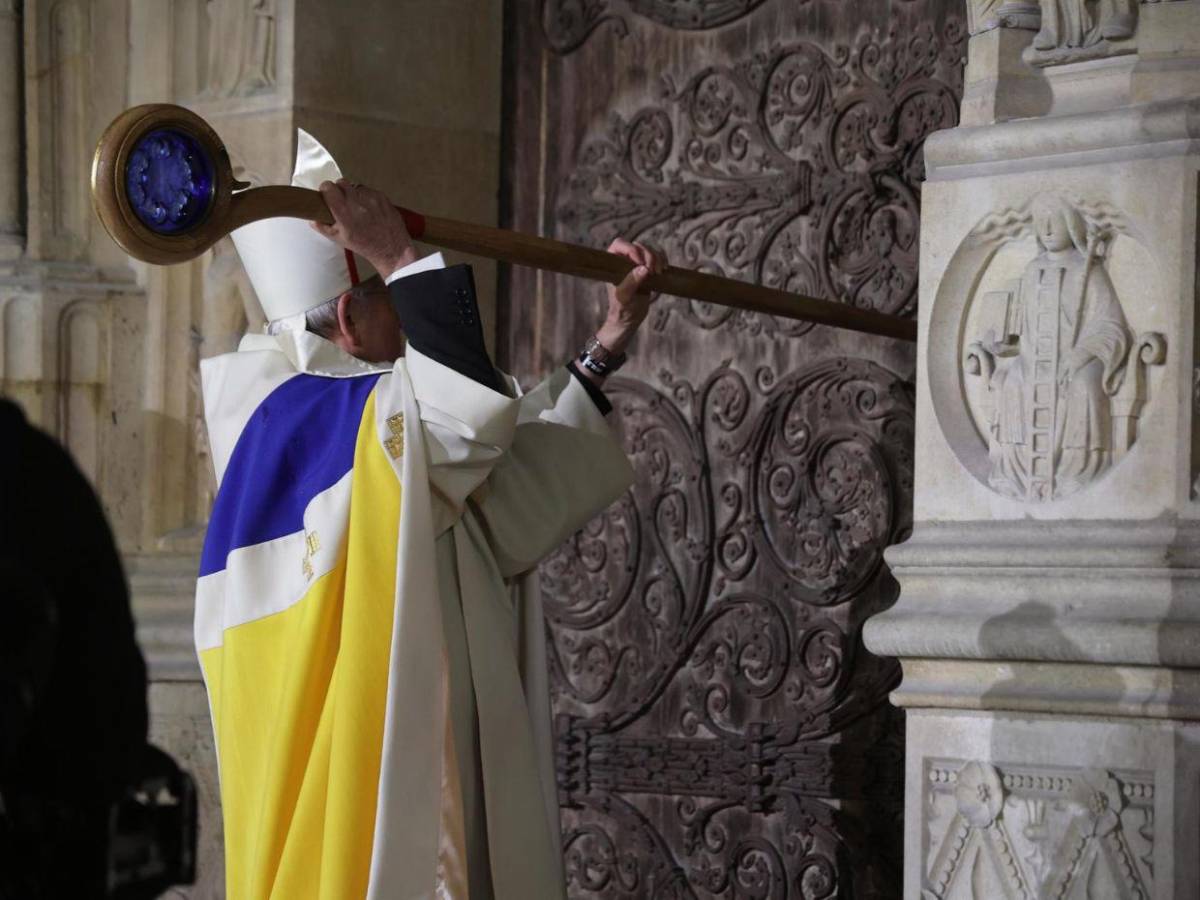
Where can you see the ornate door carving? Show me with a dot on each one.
(721, 731)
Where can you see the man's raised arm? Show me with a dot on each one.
(565, 463)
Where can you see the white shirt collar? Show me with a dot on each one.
(424, 264)
(312, 354)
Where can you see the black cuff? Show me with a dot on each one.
(440, 316)
(592, 388)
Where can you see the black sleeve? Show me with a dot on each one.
(439, 312)
(593, 389)
(440, 316)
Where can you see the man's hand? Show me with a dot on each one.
(366, 222)
(628, 305)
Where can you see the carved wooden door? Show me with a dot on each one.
(721, 732)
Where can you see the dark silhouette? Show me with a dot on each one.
(84, 800)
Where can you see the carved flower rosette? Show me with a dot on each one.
(979, 793)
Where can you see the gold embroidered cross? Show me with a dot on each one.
(395, 444)
(312, 544)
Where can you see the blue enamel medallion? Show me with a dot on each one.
(169, 181)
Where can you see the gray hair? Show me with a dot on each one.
(322, 320)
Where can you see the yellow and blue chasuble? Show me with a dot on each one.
(298, 684)
(327, 692)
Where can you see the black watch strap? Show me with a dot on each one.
(599, 359)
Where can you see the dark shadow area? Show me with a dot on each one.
(88, 808)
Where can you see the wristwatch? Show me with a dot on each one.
(597, 358)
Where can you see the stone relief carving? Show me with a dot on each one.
(1070, 33)
(1077, 30)
(798, 168)
(1035, 832)
(1067, 30)
(1065, 376)
(241, 47)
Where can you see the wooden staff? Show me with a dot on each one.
(163, 187)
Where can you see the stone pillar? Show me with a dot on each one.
(1049, 615)
(12, 218)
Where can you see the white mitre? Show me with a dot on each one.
(292, 267)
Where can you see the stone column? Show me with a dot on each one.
(12, 225)
(1049, 615)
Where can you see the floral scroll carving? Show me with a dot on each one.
(701, 645)
(797, 168)
(1026, 832)
(824, 497)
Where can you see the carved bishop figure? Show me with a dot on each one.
(1059, 366)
